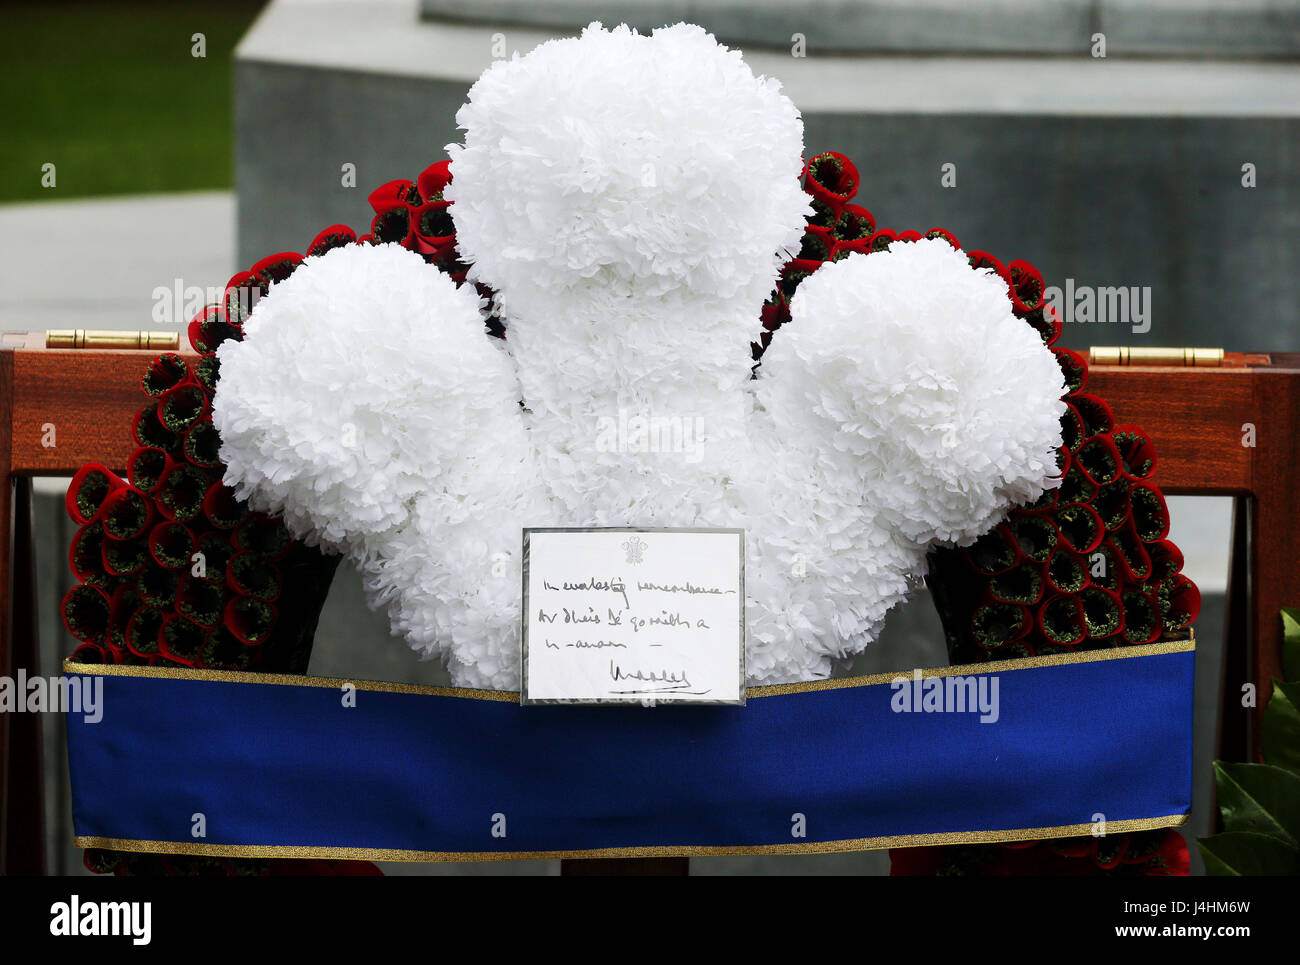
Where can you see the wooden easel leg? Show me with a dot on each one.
(1234, 718)
(1275, 534)
(629, 867)
(6, 574)
(25, 841)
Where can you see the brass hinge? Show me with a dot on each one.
(89, 338)
(1123, 355)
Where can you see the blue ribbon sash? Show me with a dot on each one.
(242, 764)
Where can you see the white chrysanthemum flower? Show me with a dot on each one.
(637, 165)
(631, 200)
(367, 405)
(912, 363)
(903, 406)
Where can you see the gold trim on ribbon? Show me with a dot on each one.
(511, 696)
(655, 851)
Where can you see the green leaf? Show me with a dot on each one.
(1247, 853)
(1259, 798)
(1280, 731)
(1291, 644)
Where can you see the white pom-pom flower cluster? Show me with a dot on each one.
(367, 406)
(904, 406)
(629, 165)
(631, 199)
(912, 363)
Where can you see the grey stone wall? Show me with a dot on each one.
(1110, 172)
(1247, 28)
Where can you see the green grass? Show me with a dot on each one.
(110, 94)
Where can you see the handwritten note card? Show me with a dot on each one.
(633, 616)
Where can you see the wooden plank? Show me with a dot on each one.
(1194, 418)
(88, 396)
